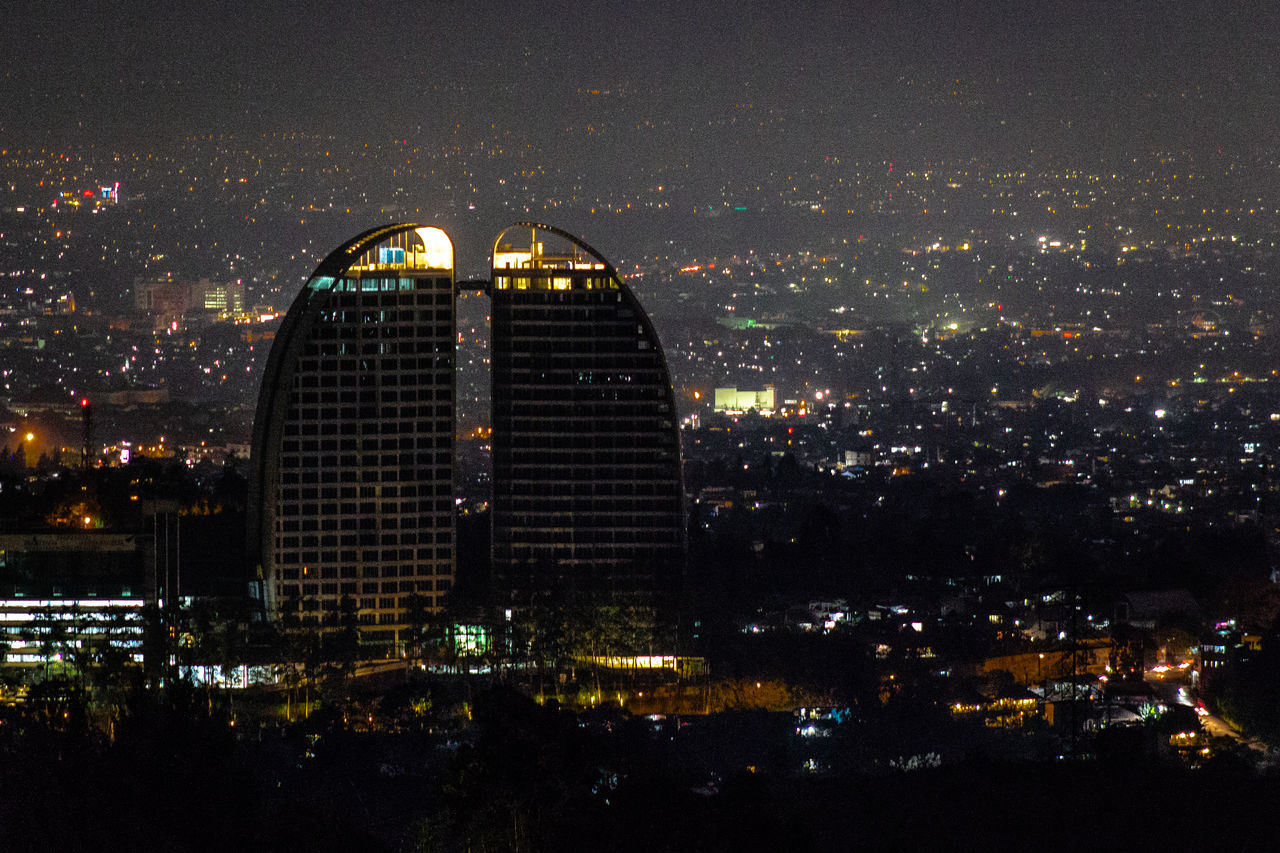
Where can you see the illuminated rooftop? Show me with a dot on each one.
(420, 248)
(529, 256)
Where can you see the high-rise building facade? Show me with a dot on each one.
(353, 446)
(169, 302)
(587, 491)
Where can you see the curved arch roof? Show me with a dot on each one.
(565, 251)
(432, 250)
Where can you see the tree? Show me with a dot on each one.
(339, 647)
(302, 645)
(156, 645)
(417, 617)
(107, 664)
(1128, 645)
(50, 634)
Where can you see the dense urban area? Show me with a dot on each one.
(978, 461)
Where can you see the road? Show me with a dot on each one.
(1173, 691)
(1218, 727)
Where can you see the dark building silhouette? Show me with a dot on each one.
(587, 492)
(353, 474)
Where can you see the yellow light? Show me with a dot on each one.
(437, 248)
(31, 436)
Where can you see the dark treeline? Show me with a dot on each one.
(532, 778)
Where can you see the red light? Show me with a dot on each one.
(790, 430)
(88, 193)
(84, 401)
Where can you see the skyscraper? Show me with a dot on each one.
(586, 462)
(353, 474)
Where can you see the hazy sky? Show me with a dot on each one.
(936, 79)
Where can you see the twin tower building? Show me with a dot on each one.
(352, 489)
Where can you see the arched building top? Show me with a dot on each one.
(533, 256)
(388, 248)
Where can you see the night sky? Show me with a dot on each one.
(729, 82)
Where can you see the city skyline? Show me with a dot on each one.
(905, 432)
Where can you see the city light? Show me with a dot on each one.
(433, 501)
